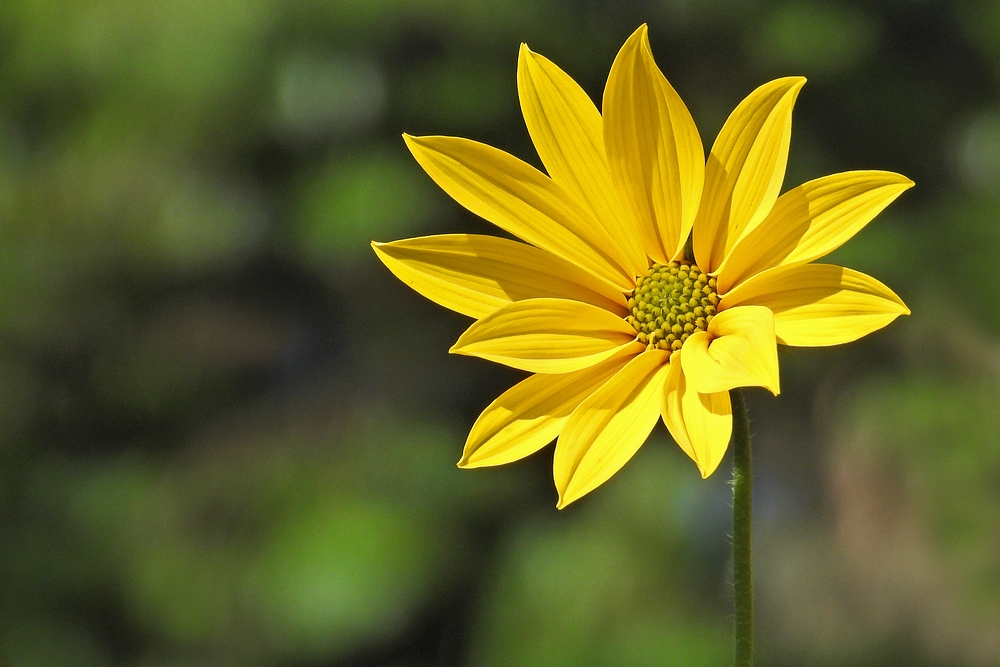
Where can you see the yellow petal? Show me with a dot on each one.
(700, 423)
(609, 426)
(547, 336)
(522, 200)
(531, 414)
(738, 350)
(819, 304)
(565, 127)
(745, 169)
(475, 275)
(654, 151)
(810, 221)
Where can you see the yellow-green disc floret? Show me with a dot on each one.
(671, 302)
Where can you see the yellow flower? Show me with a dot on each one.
(618, 324)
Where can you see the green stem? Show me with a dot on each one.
(742, 522)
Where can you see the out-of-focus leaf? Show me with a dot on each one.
(971, 240)
(342, 574)
(356, 199)
(44, 643)
(601, 585)
(460, 94)
(816, 39)
(977, 152)
(319, 94)
(943, 439)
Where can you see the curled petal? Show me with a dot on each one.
(738, 350)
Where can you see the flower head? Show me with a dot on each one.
(618, 323)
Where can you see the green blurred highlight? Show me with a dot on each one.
(816, 38)
(356, 199)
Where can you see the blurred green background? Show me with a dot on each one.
(228, 435)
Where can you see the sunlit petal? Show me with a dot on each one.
(700, 423)
(566, 129)
(531, 414)
(547, 336)
(517, 197)
(475, 275)
(738, 350)
(745, 169)
(819, 304)
(609, 426)
(812, 220)
(654, 151)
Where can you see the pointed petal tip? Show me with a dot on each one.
(466, 463)
(899, 182)
(791, 84)
(469, 451)
(794, 82)
(563, 500)
(526, 58)
(641, 33)
(892, 177)
(414, 141)
(708, 472)
(381, 254)
(566, 496)
(523, 55)
(794, 85)
(903, 308)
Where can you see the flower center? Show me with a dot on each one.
(671, 302)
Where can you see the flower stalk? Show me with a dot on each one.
(742, 524)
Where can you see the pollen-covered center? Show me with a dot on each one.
(671, 302)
